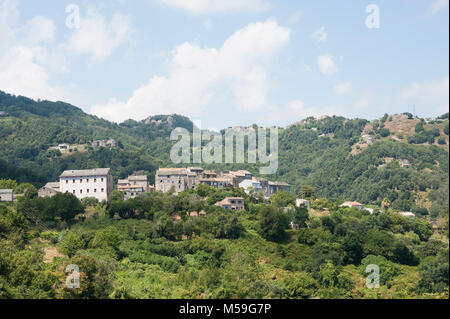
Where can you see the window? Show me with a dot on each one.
(95, 180)
(103, 190)
(87, 180)
(87, 191)
(102, 180)
(67, 181)
(74, 181)
(95, 190)
(74, 192)
(81, 181)
(81, 191)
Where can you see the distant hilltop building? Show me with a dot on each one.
(353, 204)
(6, 195)
(404, 163)
(63, 147)
(408, 214)
(104, 143)
(3, 114)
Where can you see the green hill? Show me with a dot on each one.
(329, 154)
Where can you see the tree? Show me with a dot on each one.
(434, 274)
(282, 199)
(7, 184)
(65, 206)
(108, 237)
(273, 223)
(384, 132)
(71, 242)
(300, 216)
(307, 192)
(95, 279)
(301, 285)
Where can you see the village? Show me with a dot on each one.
(98, 183)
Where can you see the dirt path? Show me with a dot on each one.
(50, 253)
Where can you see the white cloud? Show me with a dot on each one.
(320, 35)
(326, 64)
(431, 96)
(437, 6)
(21, 75)
(22, 54)
(97, 36)
(236, 73)
(39, 29)
(343, 88)
(198, 7)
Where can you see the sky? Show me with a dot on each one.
(229, 62)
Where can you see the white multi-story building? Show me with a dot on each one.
(96, 183)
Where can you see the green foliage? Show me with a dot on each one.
(7, 184)
(71, 243)
(434, 274)
(273, 223)
(388, 270)
(307, 192)
(301, 286)
(282, 199)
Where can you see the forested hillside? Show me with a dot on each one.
(328, 154)
(160, 246)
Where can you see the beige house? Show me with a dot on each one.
(233, 203)
(133, 186)
(352, 204)
(49, 190)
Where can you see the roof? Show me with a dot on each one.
(87, 172)
(138, 178)
(278, 184)
(226, 201)
(54, 185)
(407, 214)
(351, 203)
(6, 191)
(241, 173)
(172, 171)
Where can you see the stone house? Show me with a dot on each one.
(49, 190)
(232, 203)
(6, 195)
